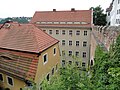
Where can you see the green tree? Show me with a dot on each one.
(99, 18)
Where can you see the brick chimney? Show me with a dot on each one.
(54, 10)
(72, 9)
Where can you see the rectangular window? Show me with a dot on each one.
(76, 53)
(77, 43)
(70, 62)
(50, 31)
(1, 77)
(84, 54)
(53, 71)
(84, 44)
(56, 67)
(77, 32)
(63, 63)
(70, 53)
(63, 32)
(63, 53)
(45, 58)
(70, 43)
(44, 30)
(48, 77)
(83, 64)
(63, 42)
(54, 51)
(57, 32)
(70, 32)
(85, 33)
(10, 81)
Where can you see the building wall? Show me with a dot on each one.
(53, 60)
(17, 84)
(73, 38)
(114, 17)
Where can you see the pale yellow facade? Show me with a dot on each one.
(17, 84)
(44, 68)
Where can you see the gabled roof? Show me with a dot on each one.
(63, 16)
(110, 7)
(24, 37)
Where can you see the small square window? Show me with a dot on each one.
(77, 32)
(70, 43)
(85, 33)
(45, 58)
(1, 77)
(84, 54)
(70, 32)
(63, 32)
(77, 43)
(57, 31)
(10, 81)
(70, 53)
(84, 44)
(50, 31)
(63, 42)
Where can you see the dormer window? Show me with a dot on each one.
(5, 58)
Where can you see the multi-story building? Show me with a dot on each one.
(72, 28)
(27, 55)
(113, 13)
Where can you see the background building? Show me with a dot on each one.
(113, 13)
(72, 28)
(27, 55)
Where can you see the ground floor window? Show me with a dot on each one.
(63, 62)
(1, 77)
(48, 77)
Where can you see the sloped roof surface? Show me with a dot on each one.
(25, 37)
(63, 16)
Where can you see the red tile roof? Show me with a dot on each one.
(25, 37)
(20, 67)
(63, 16)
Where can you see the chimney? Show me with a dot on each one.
(72, 9)
(54, 10)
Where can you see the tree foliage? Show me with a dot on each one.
(99, 18)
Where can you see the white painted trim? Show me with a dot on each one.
(43, 58)
(12, 81)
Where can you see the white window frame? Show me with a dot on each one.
(71, 53)
(55, 51)
(70, 44)
(85, 34)
(83, 43)
(50, 32)
(2, 77)
(62, 43)
(46, 57)
(8, 82)
(76, 33)
(77, 45)
(70, 32)
(86, 54)
(63, 33)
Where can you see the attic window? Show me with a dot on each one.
(5, 58)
